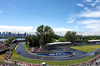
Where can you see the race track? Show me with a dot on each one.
(78, 54)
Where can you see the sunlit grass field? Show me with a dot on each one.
(17, 57)
(26, 47)
(86, 48)
(2, 58)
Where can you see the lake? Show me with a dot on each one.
(3, 39)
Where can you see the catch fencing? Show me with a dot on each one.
(78, 62)
(88, 61)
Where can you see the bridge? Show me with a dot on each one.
(7, 48)
(17, 41)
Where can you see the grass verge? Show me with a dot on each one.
(17, 57)
(86, 48)
(26, 47)
(55, 63)
(2, 58)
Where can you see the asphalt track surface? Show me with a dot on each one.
(78, 54)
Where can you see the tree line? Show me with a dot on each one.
(45, 34)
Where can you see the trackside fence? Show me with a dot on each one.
(21, 61)
(78, 62)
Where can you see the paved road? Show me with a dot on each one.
(78, 54)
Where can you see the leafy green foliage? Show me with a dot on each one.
(55, 36)
(45, 34)
(32, 40)
(79, 37)
(53, 40)
(62, 39)
(9, 40)
(86, 38)
(70, 36)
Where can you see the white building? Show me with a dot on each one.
(58, 44)
(94, 41)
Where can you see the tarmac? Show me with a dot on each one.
(77, 54)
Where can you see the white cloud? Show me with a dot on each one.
(87, 1)
(30, 29)
(80, 4)
(93, 24)
(86, 9)
(95, 3)
(90, 21)
(89, 33)
(21, 29)
(71, 20)
(61, 31)
(75, 27)
(92, 14)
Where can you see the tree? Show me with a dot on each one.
(62, 39)
(70, 36)
(27, 39)
(32, 40)
(79, 37)
(53, 40)
(35, 40)
(55, 36)
(9, 39)
(45, 34)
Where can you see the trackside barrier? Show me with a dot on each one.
(43, 64)
(12, 47)
(7, 59)
(20, 63)
(90, 62)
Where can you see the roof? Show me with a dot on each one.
(58, 43)
(93, 40)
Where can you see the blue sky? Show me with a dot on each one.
(82, 16)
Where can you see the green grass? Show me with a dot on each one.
(14, 53)
(17, 57)
(86, 48)
(2, 58)
(26, 47)
(55, 63)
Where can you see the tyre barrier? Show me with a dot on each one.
(18, 62)
(90, 62)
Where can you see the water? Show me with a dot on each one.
(3, 39)
(20, 38)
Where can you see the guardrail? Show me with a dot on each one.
(23, 61)
(19, 63)
(12, 47)
(34, 63)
